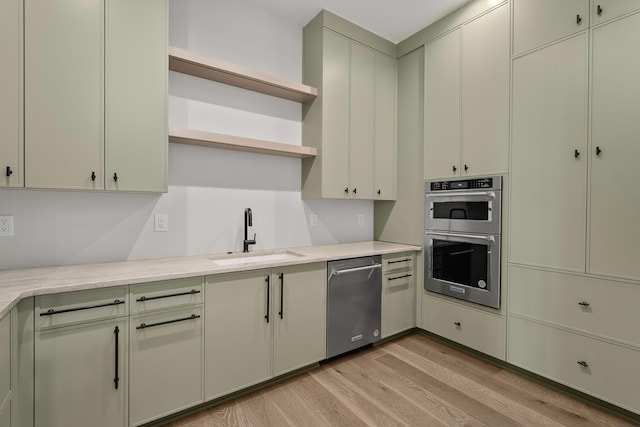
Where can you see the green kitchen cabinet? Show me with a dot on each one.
(299, 325)
(11, 94)
(614, 202)
(95, 95)
(467, 99)
(604, 10)
(261, 324)
(352, 121)
(81, 375)
(6, 370)
(539, 22)
(549, 156)
(398, 293)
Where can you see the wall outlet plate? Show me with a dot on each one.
(360, 219)
(6, 225)
(313, 219)
(161, 222)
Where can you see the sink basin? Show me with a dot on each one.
(256, 259)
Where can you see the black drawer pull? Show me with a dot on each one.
(51, 311)
(599, 10)
(458, 324)
(578, 19)
(584, 304)
(583, 364)
(191, 292)
(116, 378)
(399, 277)
(400, 260)
(9, 171)
(151, 325)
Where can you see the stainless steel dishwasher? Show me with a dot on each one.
(354, 294)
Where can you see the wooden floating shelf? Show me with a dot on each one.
(216, 140)
(186, 62)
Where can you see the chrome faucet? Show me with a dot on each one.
(248, 222)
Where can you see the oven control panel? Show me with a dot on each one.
(465, 184)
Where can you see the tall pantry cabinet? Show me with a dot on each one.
(95, 94)
(11, 120)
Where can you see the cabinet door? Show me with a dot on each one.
(361, 112)
(81, 375)
(615, 195)
(299, 317)
(335, 115)
(604, 10)
(538, 22)
(384, 135)
(485, 94)
(5, 359)
(166, 363)
(548, 181)
(136, 95)
(64, 94)
(11, 129)
(237, 331)
(442, 107)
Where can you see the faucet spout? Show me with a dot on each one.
(248, 222)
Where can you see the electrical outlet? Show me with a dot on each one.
(161, 222)
(361, 219)
(313, 220)
(6, 225)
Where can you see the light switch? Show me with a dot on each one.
(161, 222)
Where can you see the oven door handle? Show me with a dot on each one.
(464, 236)
(464, 194)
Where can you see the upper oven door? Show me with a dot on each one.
(464, 211)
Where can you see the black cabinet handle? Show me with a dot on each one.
(583, 364)
(399, 277)
(167, 322)
(466, 168)
(578, 19)
(576, 153)
(93, 176)
(454, 168)
(9, 171)
(379, 192)
(599, 10)
(115, 176)
(116, 379)
(51, 311)
(598, 151)
(191, 292)
(400, 260)
(268, 280)
(346, 190)
(584, 304)
(458, 324)
(281, 313)
(355, 191)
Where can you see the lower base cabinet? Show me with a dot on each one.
(398, 293)
(5, 415)
(6, 369)
(607, 371)
(477, 329)
(165, 357)
(81, 375)
(262, 323)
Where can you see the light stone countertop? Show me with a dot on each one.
(18, 284)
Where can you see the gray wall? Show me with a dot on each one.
(208, 188)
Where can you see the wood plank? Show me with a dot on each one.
(186, 62)
(236, 143)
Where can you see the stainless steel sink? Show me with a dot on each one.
(254, 259)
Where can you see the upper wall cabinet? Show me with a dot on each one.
(604, 10)
(95, 91)
(352, 121)
(467, 99)
(538, 22)
(11, 124)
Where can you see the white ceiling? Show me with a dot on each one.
(394, 20)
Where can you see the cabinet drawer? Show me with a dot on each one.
(592, 305)
(165, 363)
(397, 262)
(473, 328)
(169, 293)
(611, 372)
(82, 306)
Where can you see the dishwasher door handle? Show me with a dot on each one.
(353, 270)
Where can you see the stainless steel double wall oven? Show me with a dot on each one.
(462, 239)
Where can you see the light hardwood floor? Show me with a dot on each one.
(412, 381)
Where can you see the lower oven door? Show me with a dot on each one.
(463, 266)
